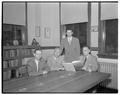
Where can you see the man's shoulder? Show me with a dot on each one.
(61, 57)
(74, 38)
(50, 57)
(42, 59)
(92, 56)
(31, 60)
(64, 39)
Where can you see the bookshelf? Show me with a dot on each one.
(12, 65)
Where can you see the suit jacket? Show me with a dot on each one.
(72, 51)
(55, 64)
(91, 62)
(32, 67)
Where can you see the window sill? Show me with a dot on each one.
(108, 56)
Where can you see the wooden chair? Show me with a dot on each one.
(23, 71)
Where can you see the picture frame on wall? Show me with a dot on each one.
(47, 32)
(94, 28)
(37, 31)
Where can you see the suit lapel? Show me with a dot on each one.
(34, 65)
(88, 60)
(71, 41)
(40, 65)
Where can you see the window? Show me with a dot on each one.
(12, 33)
(109, 38)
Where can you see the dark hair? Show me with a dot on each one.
(69, 30)
(34, 39)
(87, 47)
(36, 49)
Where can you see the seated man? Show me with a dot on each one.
(55, 61)
(90, 61)
(78, 64)
(37, 65)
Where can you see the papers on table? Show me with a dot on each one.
(77, 61)
(69, 66)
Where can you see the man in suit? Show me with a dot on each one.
(37, 65)
(55, 60)
(71, 46)
(90, 61)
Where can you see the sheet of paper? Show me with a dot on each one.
(69, 67)
(77, 61)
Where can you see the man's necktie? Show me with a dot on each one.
(69, 40)
(85, 60)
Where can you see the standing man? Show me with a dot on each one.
(71, 46)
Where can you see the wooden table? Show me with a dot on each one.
(56, 81)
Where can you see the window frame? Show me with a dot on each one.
(102, 41)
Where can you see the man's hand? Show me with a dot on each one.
(84, 68)
(45, 72)
(60, 69)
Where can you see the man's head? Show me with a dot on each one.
(57, 52)
(37, 54)
(69, 33)
(86, 50)
(34, 40)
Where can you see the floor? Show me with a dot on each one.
(106, 90)
(102, 90)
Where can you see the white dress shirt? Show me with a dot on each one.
(69, 40)
(37, 62)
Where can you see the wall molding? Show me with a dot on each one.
(107, 60)
(94, 48)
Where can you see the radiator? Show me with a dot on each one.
(111, 68)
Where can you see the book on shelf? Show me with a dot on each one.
(5, 64)
(7, 75)
(13, 53)
(26, 52)
(22, 52)
(17, 52)
(13, 63)
(7, 54)
(16, 63)
(4, 53)
(17, 73)
(10, 53)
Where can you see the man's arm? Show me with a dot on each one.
(45, 65)
(94, 64)
(29, 67)
(78, 47)
(49, 62)
(30, 70)
(62, 45)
